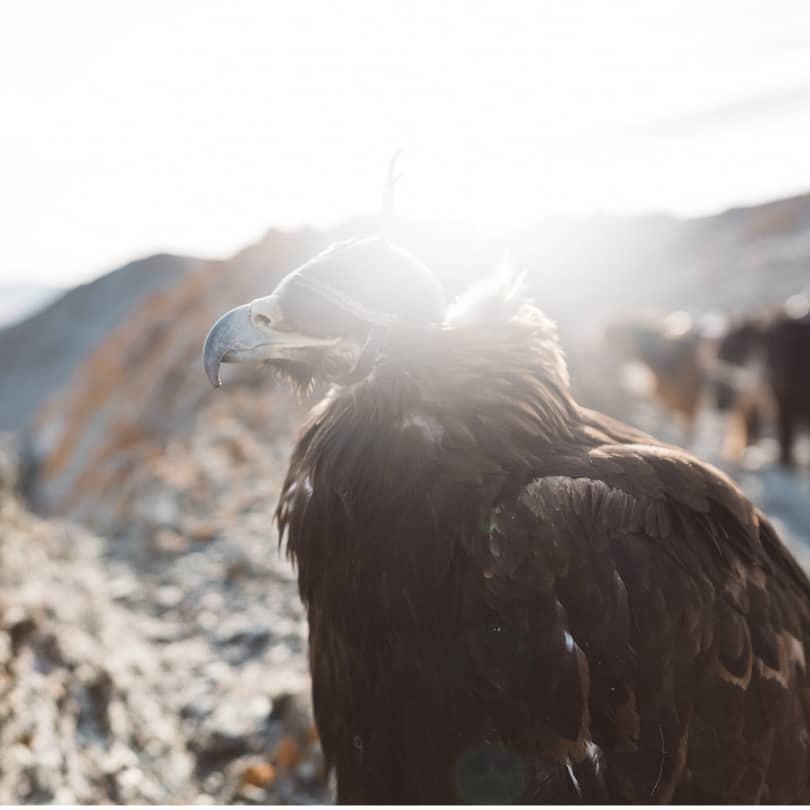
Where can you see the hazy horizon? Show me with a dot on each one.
(193, 127)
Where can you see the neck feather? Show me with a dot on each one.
(463, 404)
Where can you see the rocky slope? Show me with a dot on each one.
(167, 663)
(39, 355)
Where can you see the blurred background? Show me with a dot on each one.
(646, 164)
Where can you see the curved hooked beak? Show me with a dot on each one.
(235, 338)
(231, 339)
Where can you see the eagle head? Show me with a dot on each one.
(317, 321)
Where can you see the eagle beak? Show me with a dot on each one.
(244, 334)
(233, 338)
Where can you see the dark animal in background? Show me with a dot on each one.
(672, 351)
(774, 348)
(743, 393)
(511, 597)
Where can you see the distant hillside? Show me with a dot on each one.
(18, 301)
(603, 266)
(39, 355)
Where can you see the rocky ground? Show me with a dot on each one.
(167, 662)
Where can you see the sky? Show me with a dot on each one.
(193, 126)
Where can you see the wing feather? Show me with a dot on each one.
(688, 615)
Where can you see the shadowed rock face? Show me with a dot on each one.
(40, 354)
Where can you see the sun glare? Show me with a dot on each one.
(195, 126)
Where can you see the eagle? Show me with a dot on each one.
(511, 597)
